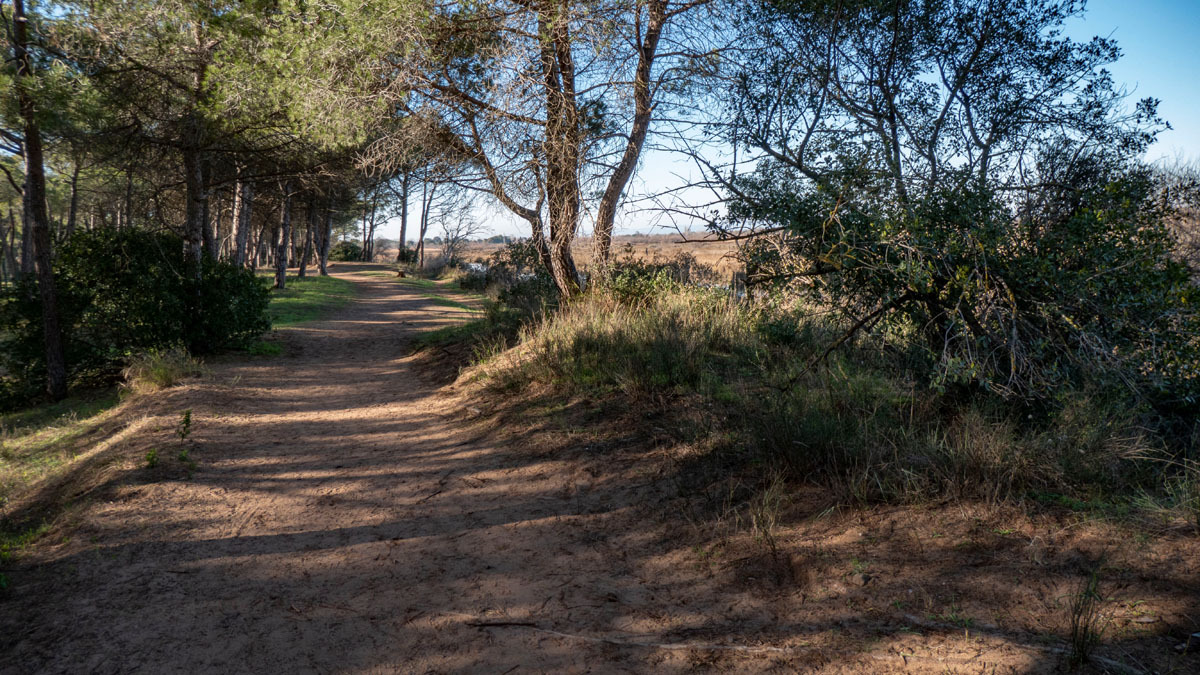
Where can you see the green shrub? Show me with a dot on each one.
(345, 251)
(471, 279)
(123, 293)
(634, 280)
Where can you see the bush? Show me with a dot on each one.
(345, 251)
(634, 280)
(516, 276)
(122, 293)
(1083, 290)
(471, 278)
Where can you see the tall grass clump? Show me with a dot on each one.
(159, 369)
(672, 342)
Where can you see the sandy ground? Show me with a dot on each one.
(344, 517)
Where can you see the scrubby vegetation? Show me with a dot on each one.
(159, 369)
(123, 294)
(346, 250)
(874, 420)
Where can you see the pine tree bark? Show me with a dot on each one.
(195, 210)
(243, 201)
(26, 232)
(404, 182)
(643, 107)
(35, 190)
(73, 209)
(285, 230)
(561, 146)
(310, 225)
(326, 235)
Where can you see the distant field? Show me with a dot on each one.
(718, 254)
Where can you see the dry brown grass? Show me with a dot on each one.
(717, 254)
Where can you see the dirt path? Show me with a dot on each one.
(342, 519)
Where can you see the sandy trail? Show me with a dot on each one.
(343, 518)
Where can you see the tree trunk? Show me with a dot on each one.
(308, 237)
(369, 249)
(363, 252)
(326, 235)
(255, 249)
(127, 215)
(642, 109)
(73, 208)
(243, 201)
(561, 146)
(26, 232)
(285, 230)
(207, 234)
(217, 241)
(35, 189)
(427, 193)
(196, 209)
(5, 267)
(404, 209)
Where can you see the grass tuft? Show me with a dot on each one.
(159, 369)
(1085, 619)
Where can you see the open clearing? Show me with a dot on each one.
(346, 515)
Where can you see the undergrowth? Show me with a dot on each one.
(859, 421)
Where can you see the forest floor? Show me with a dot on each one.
(332, 509)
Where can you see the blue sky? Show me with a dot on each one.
(1160, 43)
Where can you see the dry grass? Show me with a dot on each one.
(159, 369)
(717, 254)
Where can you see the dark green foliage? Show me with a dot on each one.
(1017, 262)
(1086, 290)
(345, 251)
(122, 293)
(472, 280)
(233, 309)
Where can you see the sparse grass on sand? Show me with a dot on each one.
(36, 442)
(308, 299)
